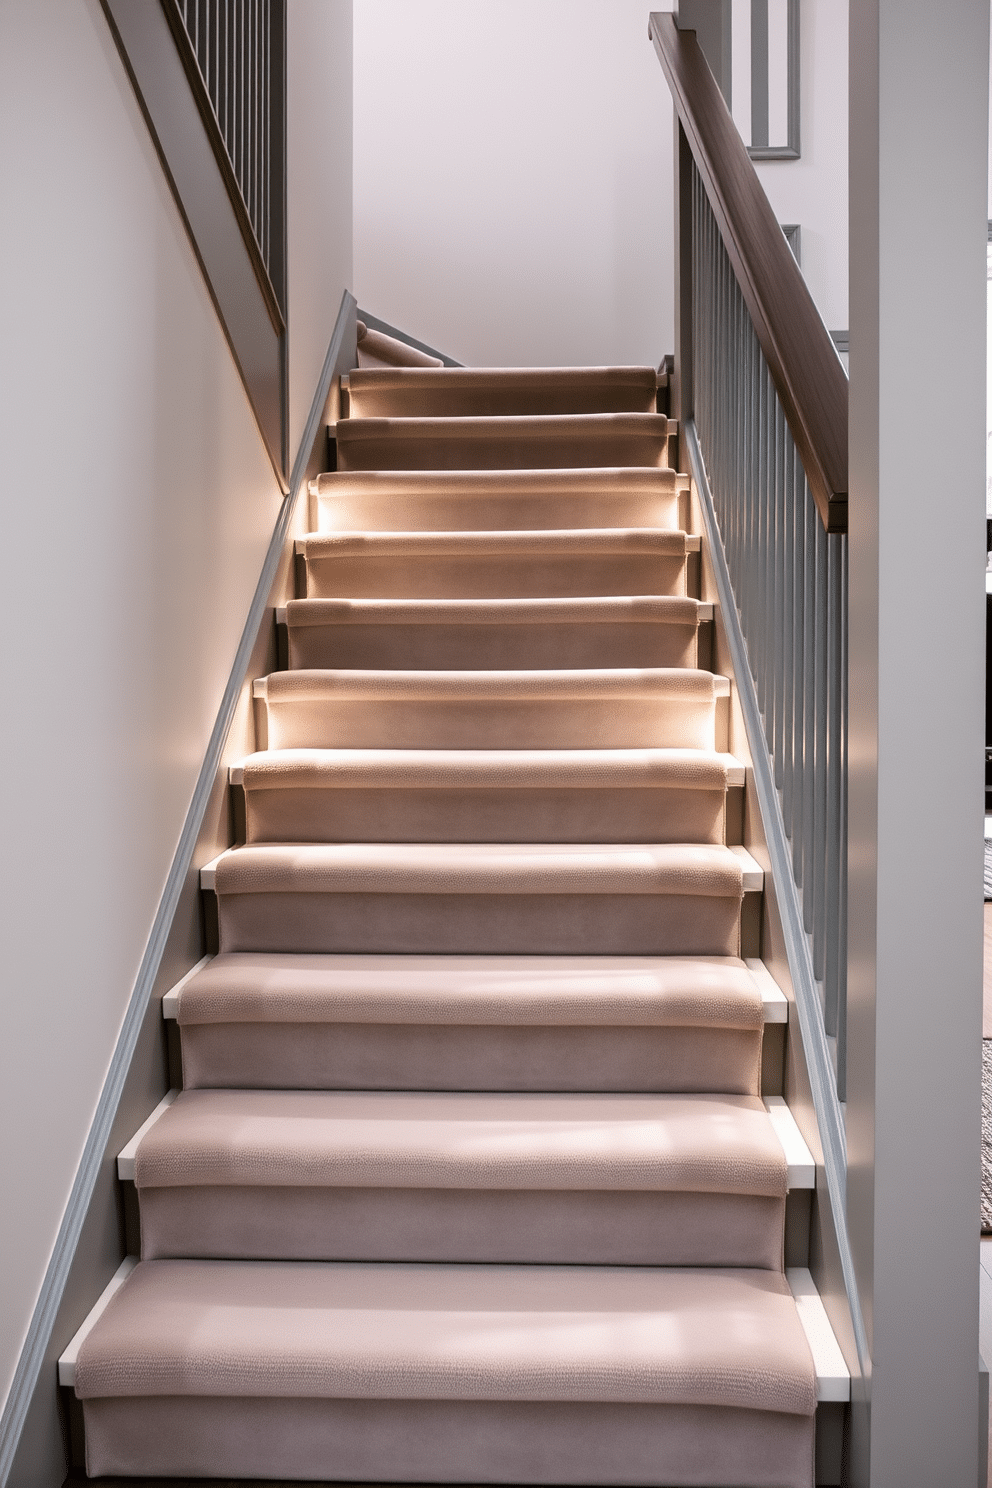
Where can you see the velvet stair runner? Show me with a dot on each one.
(470, 1179)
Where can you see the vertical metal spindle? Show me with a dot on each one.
(783, 589)
(833, 808)
(808, 739)
(819, 851)
(793, 637)
(842, 906)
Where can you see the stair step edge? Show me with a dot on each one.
(682, 482)
(67, 1360)
(127, 1154)
(773, 999)
(736, 770)
(800, 1162)
(800, 1165)
(774, 1003)
(704, 610)
(753, 874)
(833, 1378)
(260, 689)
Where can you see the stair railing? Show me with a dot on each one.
(210, 78)
(761, 398)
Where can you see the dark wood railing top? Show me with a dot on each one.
(808, 376)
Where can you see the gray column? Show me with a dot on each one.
(919, 131)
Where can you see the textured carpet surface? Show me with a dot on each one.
(987, 1136)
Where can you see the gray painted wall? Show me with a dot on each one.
(916, 667)
(137, 506)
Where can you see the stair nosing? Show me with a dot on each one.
(800, 1164)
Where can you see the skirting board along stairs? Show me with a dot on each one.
(473, 1177)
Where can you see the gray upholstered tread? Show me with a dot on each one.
(466, 391)
(248, 1329)
(314, 1139)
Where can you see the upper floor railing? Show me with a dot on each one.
(239, 50)
(762, 396)
(210, 77)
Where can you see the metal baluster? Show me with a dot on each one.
(842, 898)
(783, 579)
(819, 851)
(793, 638)
(807, 730)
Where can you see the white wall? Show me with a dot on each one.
(137, 506)
(813, 190)
(513, 178)
(513, 196)
(319, 171)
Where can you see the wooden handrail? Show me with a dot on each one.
(801, 357)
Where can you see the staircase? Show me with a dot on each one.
(471, 1178)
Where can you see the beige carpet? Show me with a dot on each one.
(987, 1079)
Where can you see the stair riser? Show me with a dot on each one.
(561, 1227)
(488, 578)
(418, 647)
(497, 815)
(442, 1441)
(471, 393)
(493, 512)
(496, 402)
(510, 451)
(491, 723)
(481, 924)
(382, 1056)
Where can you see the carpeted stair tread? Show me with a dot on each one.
(485, 564)
(550, 542)
(326, 795)
(451, 868)
(479, 898)
(563, 1022)
(374, 501)
(376, 349)
(502, 565)
(466, 391)
(503, 443)
(288, 769)
(493, 1178)
(250, 1329)
(583, 991)
(695, 1144)
(475, 634)
(671, 707)
(648, 609)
